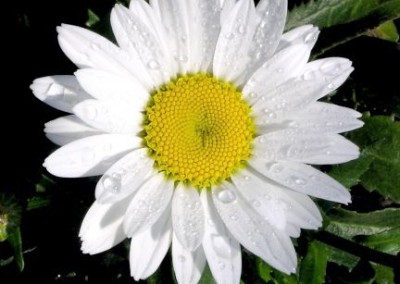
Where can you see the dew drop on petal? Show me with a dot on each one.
(221, 265)
(181, 258)
(241, 29)
(310, 37)
(300, 181)
(112, 183)
(153, 64)
(253, 95)
(229, 35)
(221, 246)
(226, 196)
(256, 203)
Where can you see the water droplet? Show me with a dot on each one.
(233, 217)
(253, 95)
(292, 152)
(256, 203)
(276, 168)
(309, 75)
(181, 258)
(153, 64)
(181, 58)
(229, 36)
(261, 139)
(241, 29)
(267, 196)
(221, 245)
(331, 86)
(226, 196)
(328, 152)
(330, 68)
(310, 37)
(246, 178)
(94, 46)
(300, 181)
(221, 265)
(112, 183)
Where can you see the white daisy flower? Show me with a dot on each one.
(202, 120)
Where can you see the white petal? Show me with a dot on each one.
(322, 117)
(60, 92)
(88, 49)
(124, 177)
(107, 86)
(271, 16)
(286, 64)
(66, 129)
(252, 231)
(278, 205)
(142, 44)
(231, 54)
(204, 28)
(149, 248)
(291, 96)
(222, 250)
(188, 265)
(302, 178)
(175, 18)
(109, 116)
(292, 230)
(90, 156)
(102, 227)
(304, 146)
(149, 203)
(333, 71)
(226, 8)
(307, 34)
(187, 217)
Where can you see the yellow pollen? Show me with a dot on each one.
(198, 129)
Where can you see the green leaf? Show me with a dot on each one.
(270, 275)
(386, 31)
(263, 270)
(37, 202)
(93, 19)
(349, 174)
(387, 241)
(378, 168)
(3, 227)
(327, 13)
(348, 224)
(313, 266)
(383, 274)
(44, 183)
(380, 137)
(15, 240)
(341, 257)
(207, 277)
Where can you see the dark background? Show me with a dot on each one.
(31, 51)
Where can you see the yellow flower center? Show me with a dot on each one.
(198, 129)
